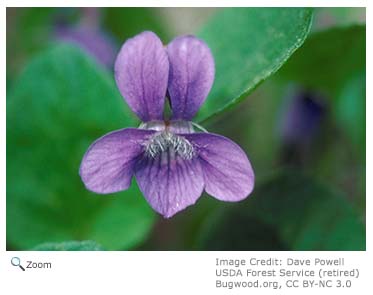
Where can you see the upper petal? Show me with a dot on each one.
(192, 72)
(141, 73)
(228, 174)
(109, 163)
(169, 183)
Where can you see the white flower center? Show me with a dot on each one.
(166, 141)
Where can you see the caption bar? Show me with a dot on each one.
(288, 273)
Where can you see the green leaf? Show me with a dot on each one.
(323, 66)
(328, 59)
(249, 45)
(126, 22)
(62, 102)
(350, 110)
(33, 24)
(294, 211)
(69, 246)
(238, 232)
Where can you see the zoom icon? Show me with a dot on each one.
(15, 261)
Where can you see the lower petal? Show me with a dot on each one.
(169, 183)
(228, 174)
(108, 165)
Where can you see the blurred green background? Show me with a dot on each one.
(297, 109)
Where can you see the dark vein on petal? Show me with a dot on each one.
(232, 179)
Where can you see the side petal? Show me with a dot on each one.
(108, 165)
(169, 183)
(192, 73)
(228, 174)
(141, 73)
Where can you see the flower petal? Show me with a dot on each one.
(141, 73)
(192, 72)
(108, 165)
(169, 183)
(228, 174)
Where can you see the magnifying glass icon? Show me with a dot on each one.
(15, 261)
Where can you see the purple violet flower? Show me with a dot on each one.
(93, 41)
(88, 36)
(302, 118)
(171, 162)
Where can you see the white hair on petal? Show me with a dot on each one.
(165, 141)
